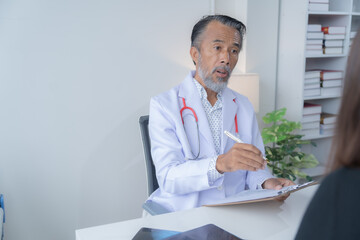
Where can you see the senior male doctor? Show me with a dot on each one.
(195, 163)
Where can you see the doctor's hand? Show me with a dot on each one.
(241, 156)
(278, 183)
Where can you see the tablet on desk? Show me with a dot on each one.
(206, 232)
(153, 234)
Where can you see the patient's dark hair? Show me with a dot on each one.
(201, 25)
(346, 142)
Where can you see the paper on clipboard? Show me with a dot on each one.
(250, 196)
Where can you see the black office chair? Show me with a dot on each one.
(2, 216)
(150, 206)
(150, 168)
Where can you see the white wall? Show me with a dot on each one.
(259, 54)
(75, 75)
(262, 50)
(236, 9)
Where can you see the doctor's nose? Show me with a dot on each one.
(225, 58)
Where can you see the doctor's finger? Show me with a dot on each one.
(283, 197)
(250, 162)
(286, 182)
(248, 147)
(241, 153)
(244, 166)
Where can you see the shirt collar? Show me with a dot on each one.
(202, 92)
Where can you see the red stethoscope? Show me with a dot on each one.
(197, 125)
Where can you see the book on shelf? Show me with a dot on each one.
(312, 85)
(334, 36)
(311, 108)
(327, 131)
(327, 118)
(314, 28)
(315, 35)
(312, 74)
(321, 7)
(327, 126)
(314, 47)
(333, 43)
(310, 125)
(310, 118)
(310, 132)
(333, 30)
(330, 74)
(312, 92)
(331, 83)
(311, 80)
(331, 91)
(332, 50)
(314, 42)
(314, 52)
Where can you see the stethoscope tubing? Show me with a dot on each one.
(185, 107)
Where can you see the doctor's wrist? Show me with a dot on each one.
(218, 165)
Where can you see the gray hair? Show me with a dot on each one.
(201, 25)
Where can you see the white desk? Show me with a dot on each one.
(262, 220)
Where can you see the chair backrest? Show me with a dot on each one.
(150, 168)
(2, 216)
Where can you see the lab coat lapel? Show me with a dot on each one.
(229, 112)
(192, 99)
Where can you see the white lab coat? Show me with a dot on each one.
(184, 183)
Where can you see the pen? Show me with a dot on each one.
(238, 140)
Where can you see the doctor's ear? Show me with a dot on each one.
(194, 53)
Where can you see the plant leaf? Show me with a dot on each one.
(274, 116)
(285, 152)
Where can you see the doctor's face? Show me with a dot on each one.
(218, 55)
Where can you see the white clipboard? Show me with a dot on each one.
(250, 196)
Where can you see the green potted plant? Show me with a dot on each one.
(284, 153)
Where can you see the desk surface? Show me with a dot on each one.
(262, 220)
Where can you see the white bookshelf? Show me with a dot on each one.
(293, 61)
(318, 136)
(330, 13)
(321, 97)
(356, 6)
(326, 56)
